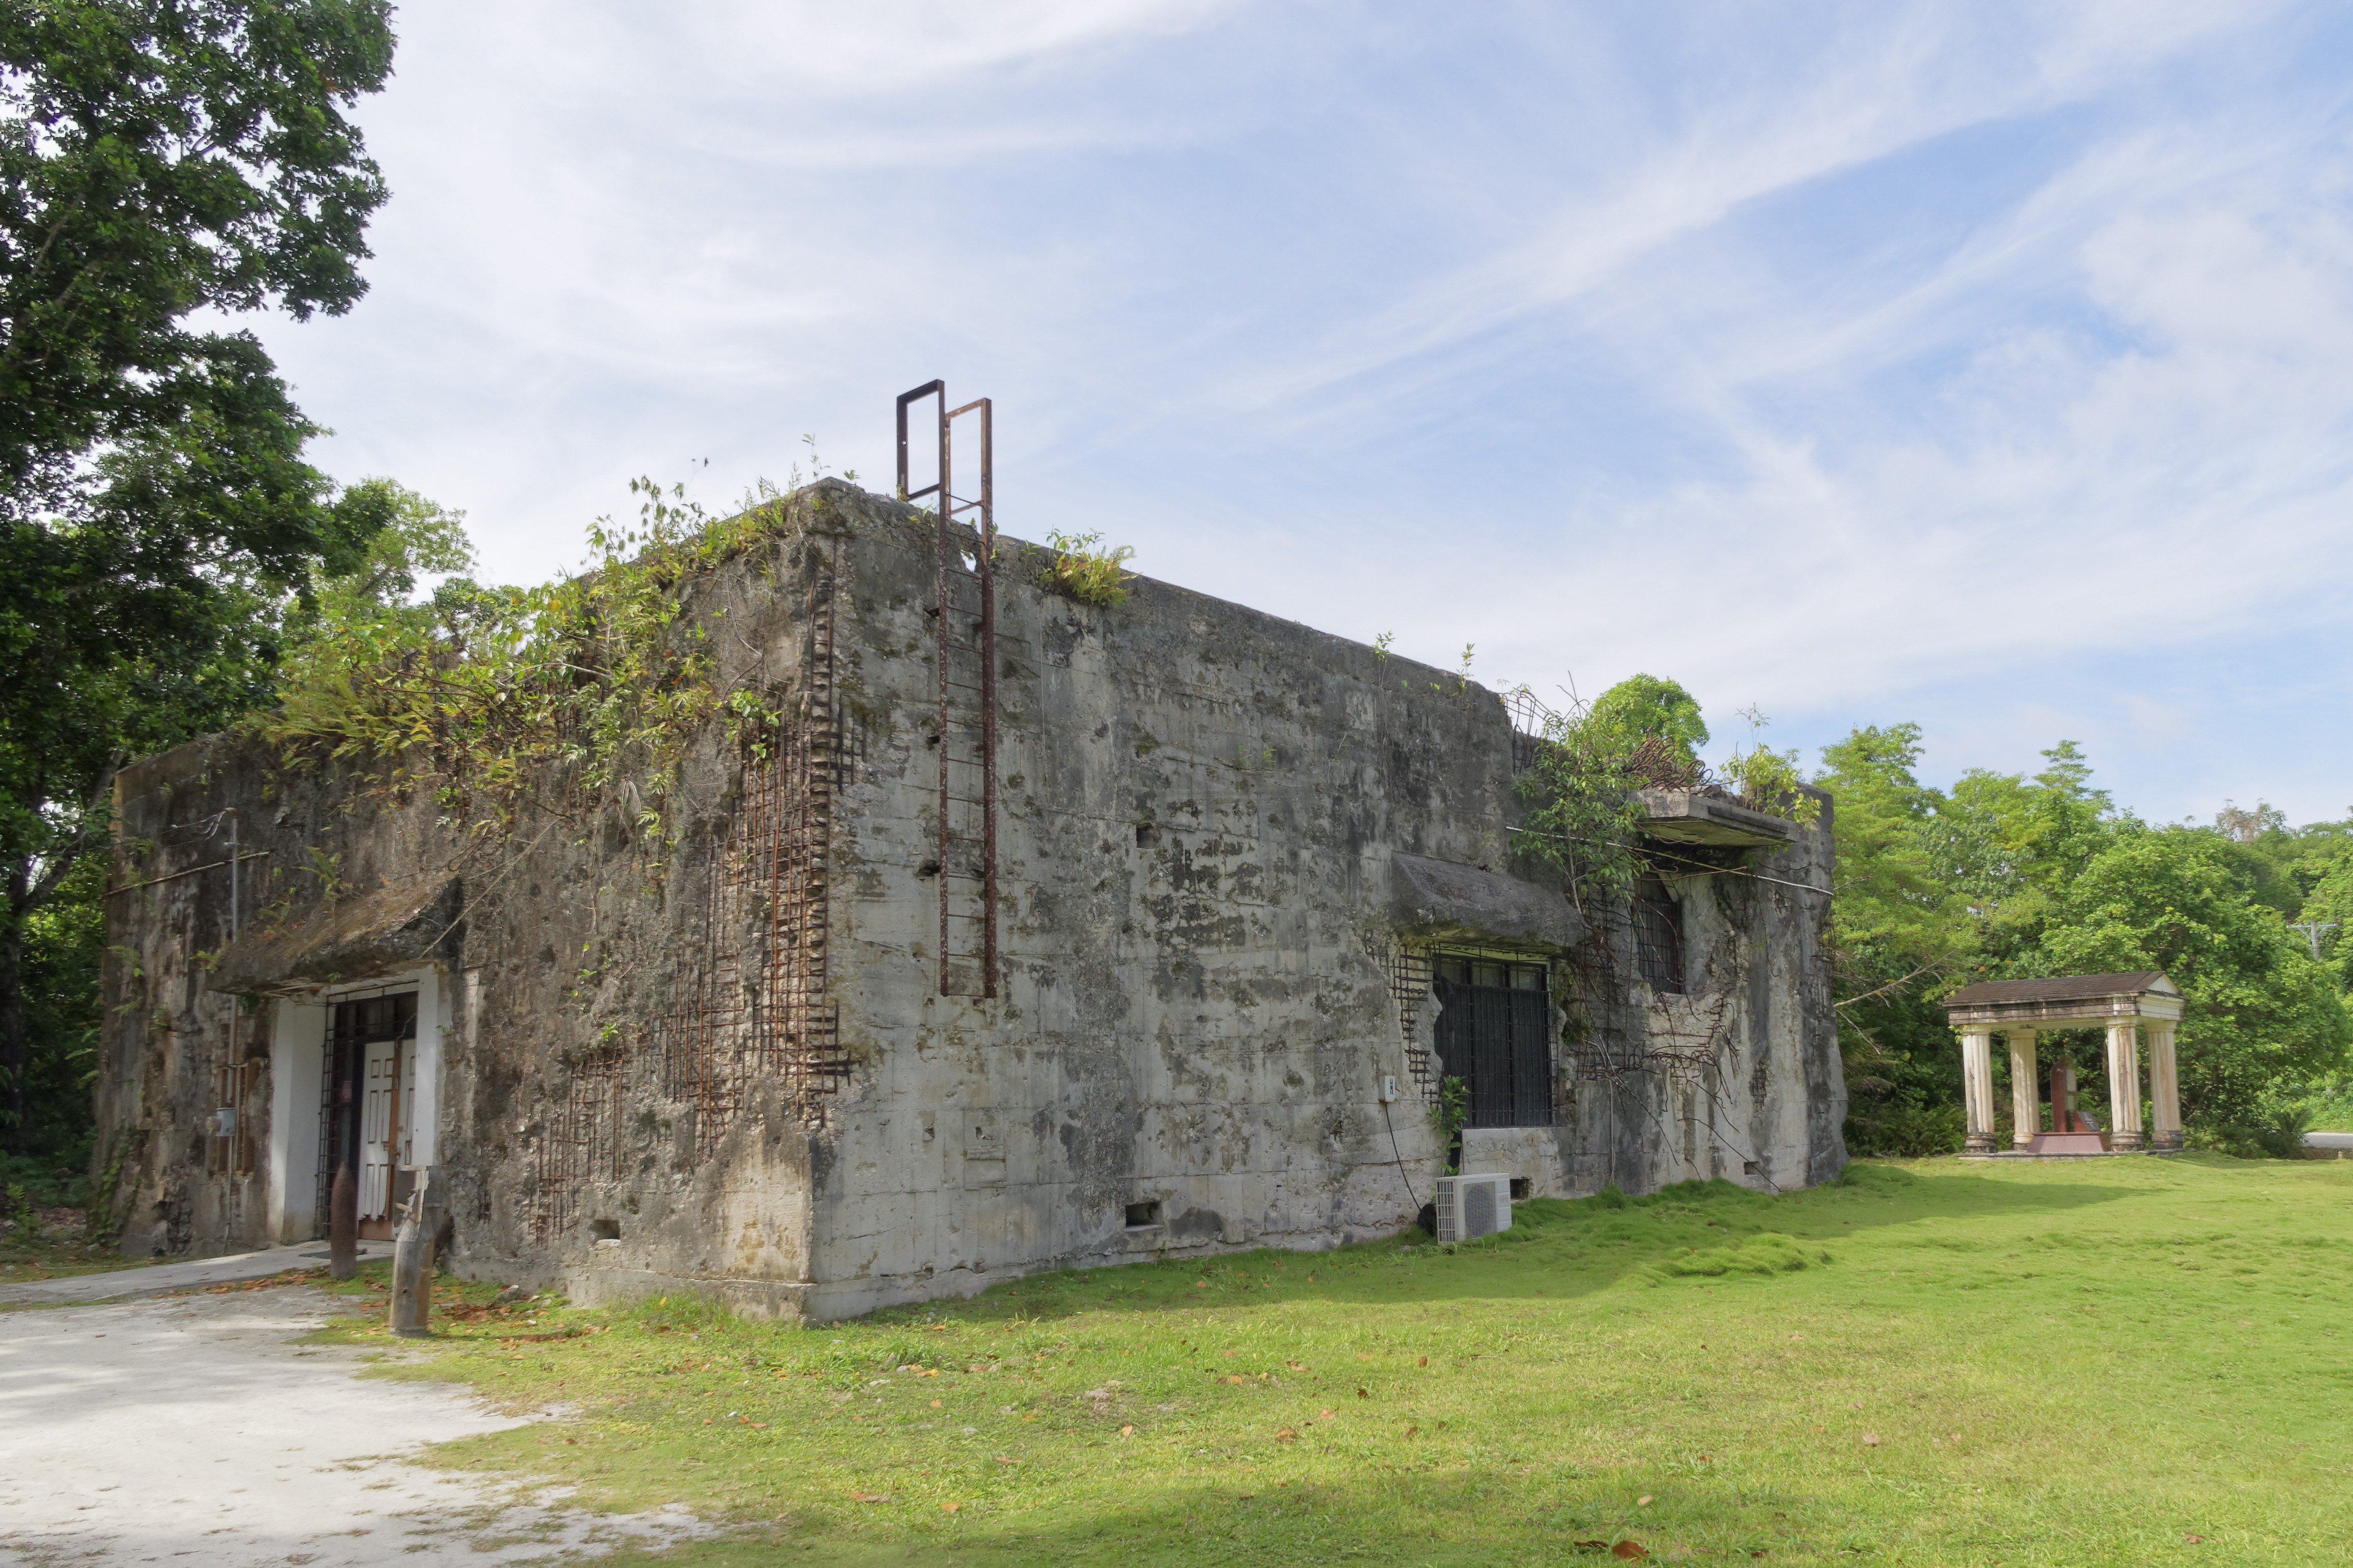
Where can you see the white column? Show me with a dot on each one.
(423, 1115)
(1977, 1084)
(2164, 1088)
(2025, 1098)
(298, 1045)
(2124, 1084)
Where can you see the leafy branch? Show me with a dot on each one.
(1078, 567)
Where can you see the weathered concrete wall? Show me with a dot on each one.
(1739, 1077)
(1198, 807)
(719, 1056)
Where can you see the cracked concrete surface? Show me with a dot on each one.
(198, 1432)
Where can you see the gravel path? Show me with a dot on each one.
(197, 1432)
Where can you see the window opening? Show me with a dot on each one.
(1658, 936)
(1142, 1215)
(1495, 1033)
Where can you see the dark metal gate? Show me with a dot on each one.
(1495, 1033)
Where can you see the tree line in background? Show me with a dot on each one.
(2007, 876)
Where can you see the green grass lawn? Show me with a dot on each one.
(2131, 1361)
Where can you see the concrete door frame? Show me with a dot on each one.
(297, 1078)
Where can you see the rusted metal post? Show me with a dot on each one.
(343, 1225)
(412, 1256)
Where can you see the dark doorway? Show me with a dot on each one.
(371, 1059)
(1495, 1033)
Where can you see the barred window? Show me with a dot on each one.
(1495, 1033)
(1658, 936)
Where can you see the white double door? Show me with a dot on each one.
(386, 1090)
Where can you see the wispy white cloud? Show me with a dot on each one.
(1844, 361)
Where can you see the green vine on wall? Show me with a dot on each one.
(108, 1211)
(1450, 1113)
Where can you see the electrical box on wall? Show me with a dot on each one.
(1388, 1088)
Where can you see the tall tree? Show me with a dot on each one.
(2262, 1010)
(160, 161)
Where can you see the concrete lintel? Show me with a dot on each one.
(1687, 817)
(2083, 1013)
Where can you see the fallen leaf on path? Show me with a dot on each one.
(1127, 1431)
(1870, 1439)
(868, 1497)
(1364, 1394)
(1629, 1550)
(1285, 1435)
(1323, 1415)
(1294, 1366)
(2195, 1540)
(1642, 1502)
(950, 1506)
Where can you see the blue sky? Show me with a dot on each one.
(1987, 367)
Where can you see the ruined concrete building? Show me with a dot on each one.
(1045, 934)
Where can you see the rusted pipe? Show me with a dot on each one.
(343, 1225)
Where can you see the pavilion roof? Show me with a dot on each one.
(2064, 988)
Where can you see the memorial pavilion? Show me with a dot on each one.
(2121, 1004)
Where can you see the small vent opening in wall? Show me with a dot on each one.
(605, 1229)
(1747, 1167)
(1143, 1217)
(1523, 1188)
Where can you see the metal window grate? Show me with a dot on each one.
(1495, 1033)
(1658, 937)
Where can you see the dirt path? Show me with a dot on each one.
(196, 1432)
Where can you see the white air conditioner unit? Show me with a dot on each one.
(1470, 1207)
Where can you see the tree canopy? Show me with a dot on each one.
(2008, 876)
(163, 163)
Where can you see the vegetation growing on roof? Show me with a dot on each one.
(608, 674)
(1643, 733)
(1080, 567)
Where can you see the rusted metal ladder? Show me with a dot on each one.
(965, 612)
